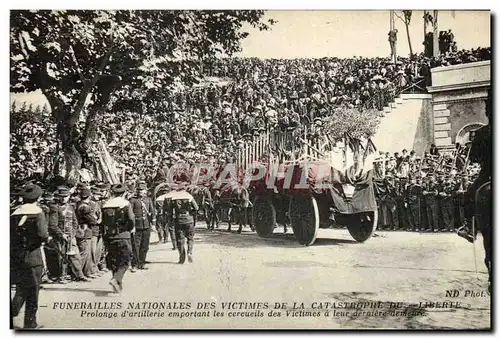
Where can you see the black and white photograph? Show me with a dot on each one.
(220, 169)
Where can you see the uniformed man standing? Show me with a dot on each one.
(413, 194)
(87, 215)
(28, 232)
(118, 221)
(63, 226)
(431, 205)
(168, 220)
(447, 206)
(145, 218)
(182, 209)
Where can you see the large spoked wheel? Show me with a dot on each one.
(304, 217)
(361, 226)
(264, 216)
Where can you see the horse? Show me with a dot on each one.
(483, 223)
(236, 198)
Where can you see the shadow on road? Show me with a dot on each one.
(249, 239)
(419, 268)
(296, 264)
(163, 262)
(97, 293)
(329, 242)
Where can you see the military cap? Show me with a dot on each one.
(85, 193)
(102, 186)
(141, 186)
(80, 185)
(32, 192)
(119, 188)
(62, 191)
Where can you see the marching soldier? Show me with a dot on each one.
(145, 218)
(118, 222)
(161, 221)
(182, 210)
(28, 233)
(169, 224)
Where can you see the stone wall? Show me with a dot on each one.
(458, 99)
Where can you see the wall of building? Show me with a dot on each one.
(458, 99)
(424, 135)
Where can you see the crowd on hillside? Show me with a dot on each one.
(214, 120)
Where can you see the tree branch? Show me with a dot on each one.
(88, 85)
(78, 68)
(399, 17)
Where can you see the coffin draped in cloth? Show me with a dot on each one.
(323, 178)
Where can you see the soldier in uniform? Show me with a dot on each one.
(118, 222)
(412, 199)
(63, 226)
(390, 205)
(28, 233)
(161, 222)
(430, 193)
(97, 247)
(447, 210)
(88, 216)
(145, 218)
(182, 210)
(100, 196)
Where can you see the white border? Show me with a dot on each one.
(192, 4)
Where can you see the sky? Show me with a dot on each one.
(356, 33)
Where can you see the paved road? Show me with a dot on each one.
(402, 267)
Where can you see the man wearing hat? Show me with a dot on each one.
(412, 199)
(88, 215)
(28, 233)
(99, 193)
(181, 211)
(118, 223)
(145, 218)
(63, 226)
(430, 193)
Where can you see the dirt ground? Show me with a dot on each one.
(401, 268)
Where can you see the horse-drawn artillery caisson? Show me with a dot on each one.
(318, 196)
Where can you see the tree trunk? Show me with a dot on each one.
(408, 37)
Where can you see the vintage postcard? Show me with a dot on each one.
(250, 169)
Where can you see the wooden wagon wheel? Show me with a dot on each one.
(361, 226)
(264, 216)
(304, 217)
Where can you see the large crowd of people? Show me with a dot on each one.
(215, 120)
(423, 193)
